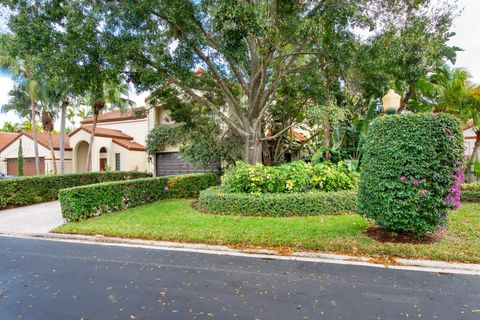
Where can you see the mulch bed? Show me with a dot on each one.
(382, 235)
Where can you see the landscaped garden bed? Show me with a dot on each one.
(177, 220)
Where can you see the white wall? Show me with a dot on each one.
(136, 128)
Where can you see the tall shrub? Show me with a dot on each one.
(411, 169)
(20, 160)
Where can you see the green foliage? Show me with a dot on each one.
(408, 169)
(470, 192)
(164, 135)
(295, 176)
(36, 189)
(88, 201)
(20, 161)
(217, 200)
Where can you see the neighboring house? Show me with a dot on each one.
(119, 142)
(469, 138)
(10, 143)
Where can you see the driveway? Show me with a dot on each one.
(37, 218)
(54, 280)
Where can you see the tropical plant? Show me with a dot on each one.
(22, 67)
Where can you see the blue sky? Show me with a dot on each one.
(466, 28)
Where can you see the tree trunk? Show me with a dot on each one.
(253, 150)
(62, 135)
(34, 135)
(473, 157)
(326, 139)
(92, 137)
(52, 151)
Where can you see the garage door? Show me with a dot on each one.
(169, 163)
(28, 166)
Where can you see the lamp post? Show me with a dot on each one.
(391, 102)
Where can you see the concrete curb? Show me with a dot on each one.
(397, 263)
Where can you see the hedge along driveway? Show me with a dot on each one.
(27, 190)
(88, 201)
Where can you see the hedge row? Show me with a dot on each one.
(27, 190)
(216, 200)
(88, 201)
(470, 192)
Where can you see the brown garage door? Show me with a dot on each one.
(169, 163)
(28, 166)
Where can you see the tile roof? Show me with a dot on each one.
(116, 115)
(117, 136)
(6, 138)
(130, 145)
(103, 132)
(42, 138)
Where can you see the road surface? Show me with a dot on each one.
(51, 280)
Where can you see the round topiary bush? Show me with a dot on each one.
(411, 171)
(217, 200)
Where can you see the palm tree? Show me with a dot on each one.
(22, 72)
(111, 93)
(451, 90)
(47, 125)
(11, 127)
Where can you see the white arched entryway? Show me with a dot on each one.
(80, 155)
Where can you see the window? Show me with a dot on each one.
(117, 161)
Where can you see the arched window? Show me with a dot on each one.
(103, 150)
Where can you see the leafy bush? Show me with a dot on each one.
(96, 199)
(217, 200)
(411, 170)
(471, 192)
(26, 190)
(295, 176)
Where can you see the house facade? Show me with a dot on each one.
(9, 153)
(119, 143)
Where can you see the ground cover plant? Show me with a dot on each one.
(177, 220)
(297, 176)
(411, 172)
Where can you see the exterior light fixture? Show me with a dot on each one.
(391, 102)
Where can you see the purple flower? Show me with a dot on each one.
(415, 181)
(441, 228)
(403, 178)
(423, 192)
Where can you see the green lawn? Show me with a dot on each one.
(176, 220)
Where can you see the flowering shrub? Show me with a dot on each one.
(296, 176)
(412, 170)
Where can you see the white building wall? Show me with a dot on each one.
(137, 128)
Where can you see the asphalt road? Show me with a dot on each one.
(59, 280)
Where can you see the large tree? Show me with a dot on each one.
(246, 49)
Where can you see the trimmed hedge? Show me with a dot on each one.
(216, 200)
(470, 192)
(411, 171)
(88, 201)
(27, 190)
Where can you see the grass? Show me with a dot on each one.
(176, 220)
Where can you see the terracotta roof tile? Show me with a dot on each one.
(103, 132)
(42, 138)
(6, 138)
(130, 145)
(116, 115)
